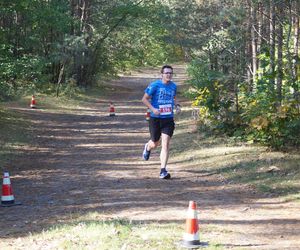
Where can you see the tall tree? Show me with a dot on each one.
(295, 60)
(253, 23)
(279, 33)
(272, 43)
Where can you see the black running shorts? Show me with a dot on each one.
(157, 126)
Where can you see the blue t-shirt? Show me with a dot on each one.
(162, 97)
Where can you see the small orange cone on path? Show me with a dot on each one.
(7, 198)
(112, 110)
(33, 102)
(148, 115)
(191, 237)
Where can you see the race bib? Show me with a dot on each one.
(165, 109)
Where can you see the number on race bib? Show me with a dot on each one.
(165, 109)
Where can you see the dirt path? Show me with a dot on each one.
(86, 161)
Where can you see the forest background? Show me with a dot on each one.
(242, 56)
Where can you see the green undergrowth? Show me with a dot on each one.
(275, 173)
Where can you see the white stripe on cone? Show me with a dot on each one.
(7, 197)
(191, 237)
(192, 214)
(6, 181)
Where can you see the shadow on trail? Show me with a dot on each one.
(92, 163)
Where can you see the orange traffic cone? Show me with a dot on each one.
(7, 198)
(112, 110)
(148, 115)
(191, 236)
(33, 102)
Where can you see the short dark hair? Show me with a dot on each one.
(166, 67)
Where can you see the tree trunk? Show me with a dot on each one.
(253, 43)
(296, 60)
(81, 9)
(259, 32)
(248, 49)
(61, 73)
(279, 57)
(290, 51)
(272, 44)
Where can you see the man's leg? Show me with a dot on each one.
(152, 145)
(154, 128)
(164, 154)
(167, 129)
(148, 147)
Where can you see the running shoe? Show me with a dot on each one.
(164, 174)
(146, 153)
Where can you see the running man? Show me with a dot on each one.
(160, 98)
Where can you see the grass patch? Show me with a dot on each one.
(272, 172)
(15, 125)
(15, 133)
(80, 98)
(109, 234)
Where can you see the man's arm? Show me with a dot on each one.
(177, 106)
(146, 101)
